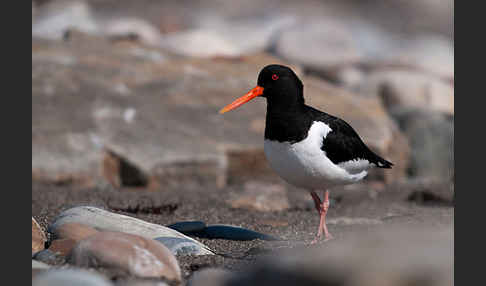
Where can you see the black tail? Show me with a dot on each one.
(382, 163)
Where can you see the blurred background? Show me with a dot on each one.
(125, 100)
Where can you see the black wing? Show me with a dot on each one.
(344, 144)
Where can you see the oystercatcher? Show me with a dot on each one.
(308, 148)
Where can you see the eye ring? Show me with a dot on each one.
(274, 76)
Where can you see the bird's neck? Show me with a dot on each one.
(287, 124)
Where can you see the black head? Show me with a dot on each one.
(281, 86)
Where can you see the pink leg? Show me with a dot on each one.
(322, 208)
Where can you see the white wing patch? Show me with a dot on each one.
(305, 165)
(356, 166)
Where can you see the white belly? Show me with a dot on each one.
(305, 165)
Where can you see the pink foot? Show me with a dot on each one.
(322, 208)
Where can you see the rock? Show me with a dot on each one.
(49, 257)
(54, 18)
(406, 89)
(431, 137)
(322, 44)
(38, 237)
(223, 38)
(261, 197)
(62, 246)
(107, 221)
(132, 253)
(74, 277)
(188, 226)
(431, 54)
(209, 277)
(39, 265)
(425, 257)
(125, 27)
(232, 233)
(181, 246)
(74, 231)
(141, 282)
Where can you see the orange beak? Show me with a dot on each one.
(258, 90)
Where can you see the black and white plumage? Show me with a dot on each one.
(308, 148)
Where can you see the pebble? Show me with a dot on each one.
(49, 257)
(209, 277)
(188, 226)
(107, 221)
(38, 237)
(180, 246)
(71, 277)
(134, 254)
(261, 197)
(74, 231)
(233, 233)
(62, 246)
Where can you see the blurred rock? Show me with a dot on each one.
(38, 268)
(325, 44)
(261, 197)
(53, 18)
(431, 137)
(107, 221)
(120, 28)
(181, 246)
(429, 53)
(62, 246)
(226, 38)
(407, 89)
(231, 232)
(132, 253)
(425, 257)
(74, 231)
(141, 282)
(39, 265)
(38, 237)
(49, 257)
(73, 277)
(209, 277)
(102, 111)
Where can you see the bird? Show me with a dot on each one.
(306, 147)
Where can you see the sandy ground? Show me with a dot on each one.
(353, 211)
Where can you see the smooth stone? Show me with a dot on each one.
(209, 277)
(72, 277)
(188, 226)
(431, 137)
(140, 282)
(180, 246)
(74, 231)
(319, 44)
(62, 246)
(38, 237)
(233, 233)
(39, 265)
(48, 257)
(134, 254)
(424, 256)
(409, 89)
(107, 221)
(55, 17)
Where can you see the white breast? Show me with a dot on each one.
(305, 165)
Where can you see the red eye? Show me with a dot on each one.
(274, 76)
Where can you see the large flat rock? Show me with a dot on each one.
(138, 116)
